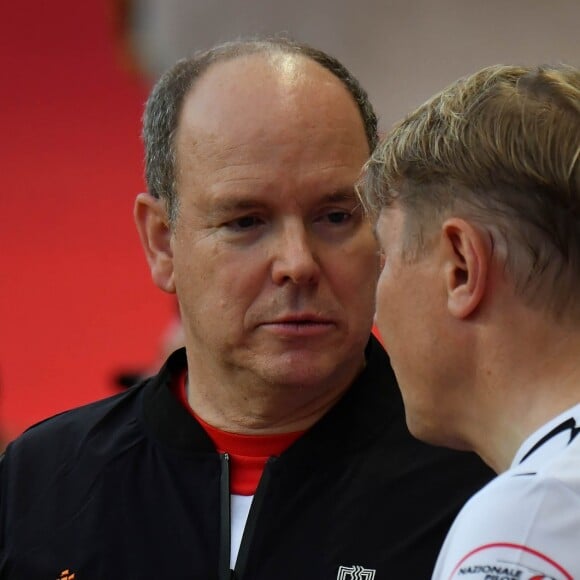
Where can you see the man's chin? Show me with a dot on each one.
(310, 370)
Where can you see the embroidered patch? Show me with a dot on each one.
(503, 561)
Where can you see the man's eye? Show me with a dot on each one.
(337, 217)
(244, 223)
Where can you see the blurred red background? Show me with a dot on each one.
(76, 301)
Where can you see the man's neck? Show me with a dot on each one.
(255, 407)
(526, 389)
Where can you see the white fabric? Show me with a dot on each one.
(525, 524)
(240, 508)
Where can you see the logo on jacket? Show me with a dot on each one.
(355, 573)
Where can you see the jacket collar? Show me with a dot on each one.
(367, 408)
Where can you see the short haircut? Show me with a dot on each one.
(160, 121)
(501, 148)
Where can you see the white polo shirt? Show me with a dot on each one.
(525, 524)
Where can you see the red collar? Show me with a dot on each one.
(248, 453)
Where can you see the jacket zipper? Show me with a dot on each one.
(250, 527)
(225, 572)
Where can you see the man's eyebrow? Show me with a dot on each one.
(339, 196)
(238, 203)
(235, 203)
(250, 202)
(231, 204)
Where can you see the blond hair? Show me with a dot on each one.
(500, 147)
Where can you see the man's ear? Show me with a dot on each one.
(467, 255)
(155, 233)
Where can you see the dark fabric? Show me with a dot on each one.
(129, 488)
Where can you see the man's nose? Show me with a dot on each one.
(295, 258)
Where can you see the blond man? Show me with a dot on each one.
(477, 200)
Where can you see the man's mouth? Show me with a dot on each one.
(299, 325)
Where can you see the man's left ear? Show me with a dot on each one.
(467, 254)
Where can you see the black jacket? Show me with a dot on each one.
(131, 487)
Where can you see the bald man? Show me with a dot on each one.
(274, 444)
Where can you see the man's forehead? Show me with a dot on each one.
(282, 69)
(254, 88)
(269, 109)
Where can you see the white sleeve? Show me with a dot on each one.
(519, 527)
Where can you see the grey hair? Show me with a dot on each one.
(160, 120)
